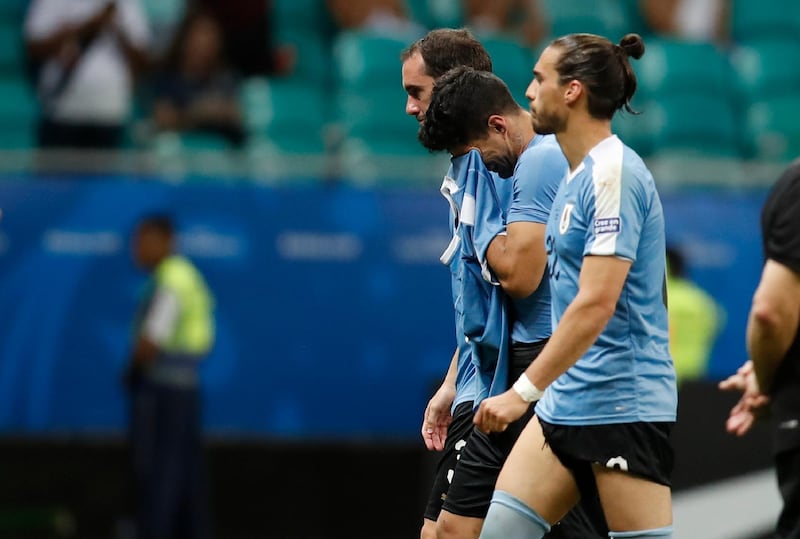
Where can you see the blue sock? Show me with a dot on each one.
(663, 533)
(511, 518)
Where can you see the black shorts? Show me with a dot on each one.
(787, 467)
(473, 483)
(457, 434)
(641, 448)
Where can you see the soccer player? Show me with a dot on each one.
(473, 116)
(447, 420)
(605, 378)
(772, 375)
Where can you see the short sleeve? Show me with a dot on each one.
(780, 220)
(536, 181)
(616, 215)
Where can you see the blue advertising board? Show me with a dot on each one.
(333, 311)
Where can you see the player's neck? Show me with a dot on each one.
(580, 137)
(524, 131)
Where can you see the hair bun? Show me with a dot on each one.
(633, 45)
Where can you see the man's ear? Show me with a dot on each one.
(497, 124)
(573, 92)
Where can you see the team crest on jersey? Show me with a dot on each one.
(566, 213)
(606, 225)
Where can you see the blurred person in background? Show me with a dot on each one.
(174, 331)
(248, 37)
(692, 20)
(770, 380)
(83, 56)
(196, 91)
(695, 320)
(522, 19)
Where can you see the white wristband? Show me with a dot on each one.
(526, 390)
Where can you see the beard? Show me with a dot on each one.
(547, 124)
(503, 165)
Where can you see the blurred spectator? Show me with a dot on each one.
(381, 16)
(83, 57)
(197, 91)
(249, 38)
(523, 19)
(693, 20)
(174, 332)
(695, 320)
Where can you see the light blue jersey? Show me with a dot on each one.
(477, 201)
(465, 377)
(538, 173)
(609, 207)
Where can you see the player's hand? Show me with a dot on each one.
(751, 406)
(437, 418)
(495, 413)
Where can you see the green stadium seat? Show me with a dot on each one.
(300, 16)
(18, 113)
(312, 56)
(365, 60)
(752, 19)
(289, 114)
(401, 161)
(637, 130)
(762, 70)
(375, 115)
(436, 13)
(13, 10)
(773, 127)
(682, 67)
(608, 18)
(12, 47)
(698, 124)
(512, 62)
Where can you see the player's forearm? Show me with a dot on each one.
(773, 321)
(769, 336)
(578, 329)
(452, 372)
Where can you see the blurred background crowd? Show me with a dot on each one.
(320, 76)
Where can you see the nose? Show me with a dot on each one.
(530, 92)
(412, 107)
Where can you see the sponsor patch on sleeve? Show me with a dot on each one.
(607, 225)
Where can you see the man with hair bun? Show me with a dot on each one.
(604, 382)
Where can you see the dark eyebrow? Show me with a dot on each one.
(537, 74)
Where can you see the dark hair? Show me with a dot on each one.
(445, 48)
(602, 67)
(157, 222)
(461, 103)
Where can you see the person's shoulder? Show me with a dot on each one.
(544, 149)
(543, 158)
(177, 270)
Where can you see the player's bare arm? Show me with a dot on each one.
(773, 320)
(437, 415)
(518, 258)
